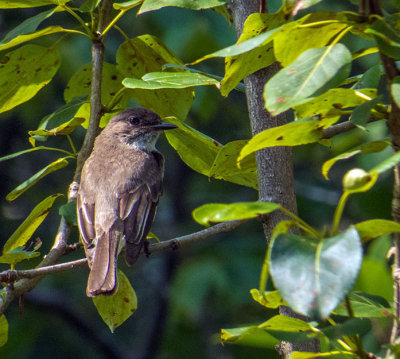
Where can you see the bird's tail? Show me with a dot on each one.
(103, 266)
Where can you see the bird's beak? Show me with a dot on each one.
(164, 126)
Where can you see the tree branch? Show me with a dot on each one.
(60, 243)
(10, 276)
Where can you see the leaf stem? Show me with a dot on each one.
(72, 145)
(80, 20)
(113, 21)
(339, 211)
(302, 224)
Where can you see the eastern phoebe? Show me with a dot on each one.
(121, 184)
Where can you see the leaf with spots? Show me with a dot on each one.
(311, 31)
(238, 66)
(292, 134)
(80, 85)
(115, 309)
(334, 101)
(313, 276)
(23, 72)
(25, 231)
(314, 72)
(144, 54)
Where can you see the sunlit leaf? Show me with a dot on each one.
(387, 38)
(143, 54)
(64, 129)
(3, 329)
(7, 4)
(25, 231)
(17, 255)
(376, 227)
(395, 90)
(115, 309)
(314, 276)
(127, 5)
(268, 299)
(225, 166)
(16, 154)
(249, 336)
(150, 5)
(54, 166)
(257, 40)
(197, 150)
(292, 134)
(365, 306)
(365, 148)
(334, 101)
(23, 72)
(314, 71)
(221, 212)
(177, 80)
(337, 354)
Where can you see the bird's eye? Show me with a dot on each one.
(133, 120)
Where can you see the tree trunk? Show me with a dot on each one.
(274, 165)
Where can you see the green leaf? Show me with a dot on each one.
(225, 165)
(3, 329)
(16, 154)
(387, 38)
(296, 38)
(387, 164)
(314, 72)
(23, 72)
(4, 45)
(365, 306)
(64, 129)
(255, 49)
(127, 5)
(249, 336)
(362, 114)
(268, 299)
(197, 150)
(370, 79)
(220, 212)
(14, 4)
(89, 5)
(68, 211)
(54, 166)
(314, 276)
(338, 354)
(354, 326)
(334, 101)
(365, 148)
(395, 90)
(115, 309)
(25, 231)
(151, 5)
(79, 85)
(173, 80)
(292, 134)
(376, 227)
(144, 54)
(17, 255)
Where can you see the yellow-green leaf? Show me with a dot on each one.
(268, 299)
(115, 309)
(143, 54)
(17, 255)
(292, 134)
(23, 72)
(221, 212)
(25, 231)
(3, 330)
(14, 4)
(371, 147)
(54, 166)
(127, 5)
(64, 129)
(249, 336)
(376, 227)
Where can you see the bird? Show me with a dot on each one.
(120, 186)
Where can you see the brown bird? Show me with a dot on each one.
(120, 187)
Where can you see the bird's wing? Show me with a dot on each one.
(137, 209)
(85, 216)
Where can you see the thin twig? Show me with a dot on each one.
(10, 276)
